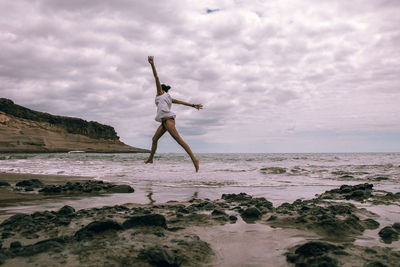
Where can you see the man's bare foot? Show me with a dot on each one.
(196, 164)
(149, 161)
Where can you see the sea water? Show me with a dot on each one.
(277, 177)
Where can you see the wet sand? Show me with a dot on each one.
(346, 226)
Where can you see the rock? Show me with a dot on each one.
(347, 176)
(62, 221)
(4, 183)
(391, 197)
(96, 227)
(371, 224)
(51, 189)
(236, 197)
(376, 264)
(359, 195)
(335, 221)
(261, 203)
(34, 183)
(315, 248)
(273, 170)
(341, 209)
(341, 172)
(55, 244)
(121, 189)
(182, 210)
(313, 254)
(358, 192)
(251, 213)
(15, 245)
(233, 218)
(218, 213)
(159, 256)
(145, 220)
(90, 186)
(6, 235)
(17, 219)
(396, 226)
(66, 210)
(381, 178)
(388, 234)
(175, 229)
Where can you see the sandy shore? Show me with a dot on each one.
(336, 228)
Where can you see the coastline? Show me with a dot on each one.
(236, 229)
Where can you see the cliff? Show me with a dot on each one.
(26, 130)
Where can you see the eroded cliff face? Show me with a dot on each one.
(25, 130)
(91, 129)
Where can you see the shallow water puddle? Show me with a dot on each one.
(243, 244)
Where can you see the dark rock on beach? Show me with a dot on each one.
(167, 255)
(236, 197)
(315, 254)
(396, 226)
(145, 220)
(96, 227)
(15, 245)
(33, 183)
(371, 223)
(16, 219)
(218, 212)
(358, 192)
(376, 264)
(159, 256)
(90, 186)
(4, 183)
(386, 198)
(121, 189)
(243, 199)
(380, 178)
(219, 215)
(273, 170)
(332, 220)
(53, 244)
(28, 225)
(389, 234)
(66, 210)
(251, 213)
(313, 248)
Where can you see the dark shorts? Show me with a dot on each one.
(163, 120)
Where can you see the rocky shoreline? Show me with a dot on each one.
(164, 235)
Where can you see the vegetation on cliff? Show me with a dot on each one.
(91, 129)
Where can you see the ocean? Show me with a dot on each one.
(277, 177)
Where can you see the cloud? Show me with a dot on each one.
(264, 70)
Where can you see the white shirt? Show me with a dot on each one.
(163, 103)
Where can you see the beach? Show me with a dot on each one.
(241, 210)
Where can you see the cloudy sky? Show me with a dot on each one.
(273, 75)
